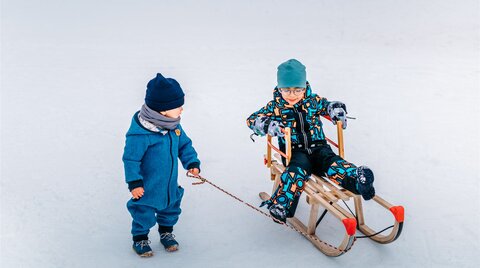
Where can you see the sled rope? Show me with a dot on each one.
(379, 232)
(203, 180)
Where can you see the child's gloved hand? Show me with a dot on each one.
(260, 125)
(138, 192)
(264, 125)
(275, 129)
(194, 171)
(338, 111)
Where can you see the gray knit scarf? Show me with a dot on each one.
(158, 119)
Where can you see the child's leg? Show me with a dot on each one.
(292, 183)
(343, 173)
(358, 180)
(143, 219)
(168, 217)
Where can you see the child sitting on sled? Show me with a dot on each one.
(153, 145)
(295, 106)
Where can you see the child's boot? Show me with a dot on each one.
(167, 238)
(169, 242)
(365, 182)
(278, 212)
(141, 247)
(283, 203)
(358, 180)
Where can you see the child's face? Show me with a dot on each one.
(292, 95)
(174, 113)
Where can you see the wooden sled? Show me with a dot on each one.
(321, 192)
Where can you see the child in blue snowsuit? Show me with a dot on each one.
(295, 106)
(154, 142)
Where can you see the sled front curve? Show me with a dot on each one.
(397, 211)
(398, 215)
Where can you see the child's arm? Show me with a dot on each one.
(334, 110)
(187, 154)
(135, 148)
(322, 105)
(262, 121)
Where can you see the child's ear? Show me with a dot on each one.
(162, 112)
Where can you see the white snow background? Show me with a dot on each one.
(74, 72)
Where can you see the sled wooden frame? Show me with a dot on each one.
(321, 192)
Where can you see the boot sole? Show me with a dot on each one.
(172, 248)
(144, 255)
(278, 219)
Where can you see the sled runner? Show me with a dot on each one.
(321, 192)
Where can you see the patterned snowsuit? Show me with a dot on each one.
(310, 152)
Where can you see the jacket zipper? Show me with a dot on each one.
(171, 171)
(302, 126)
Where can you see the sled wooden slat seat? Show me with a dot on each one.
(321, 182)
(321, 192)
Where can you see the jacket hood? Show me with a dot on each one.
(136, 128)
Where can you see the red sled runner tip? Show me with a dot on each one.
(350, 225)
(398, 212)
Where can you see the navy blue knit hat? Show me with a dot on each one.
(164, 94)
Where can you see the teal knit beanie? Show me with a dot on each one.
(291, 74)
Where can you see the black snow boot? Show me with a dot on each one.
(278, 212)
(364, 181)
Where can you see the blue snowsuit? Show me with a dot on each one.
(151, 161)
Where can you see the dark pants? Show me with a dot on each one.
(317, 162)
(320, 160)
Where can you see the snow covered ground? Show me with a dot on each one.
(74, 72)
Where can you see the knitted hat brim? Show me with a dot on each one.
(165, 106)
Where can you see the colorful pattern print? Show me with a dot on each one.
(306, 129)
(304, 120)
(292, 183)
(340, 170)
(293, 180)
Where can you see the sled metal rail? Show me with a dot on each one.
(321, 192)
